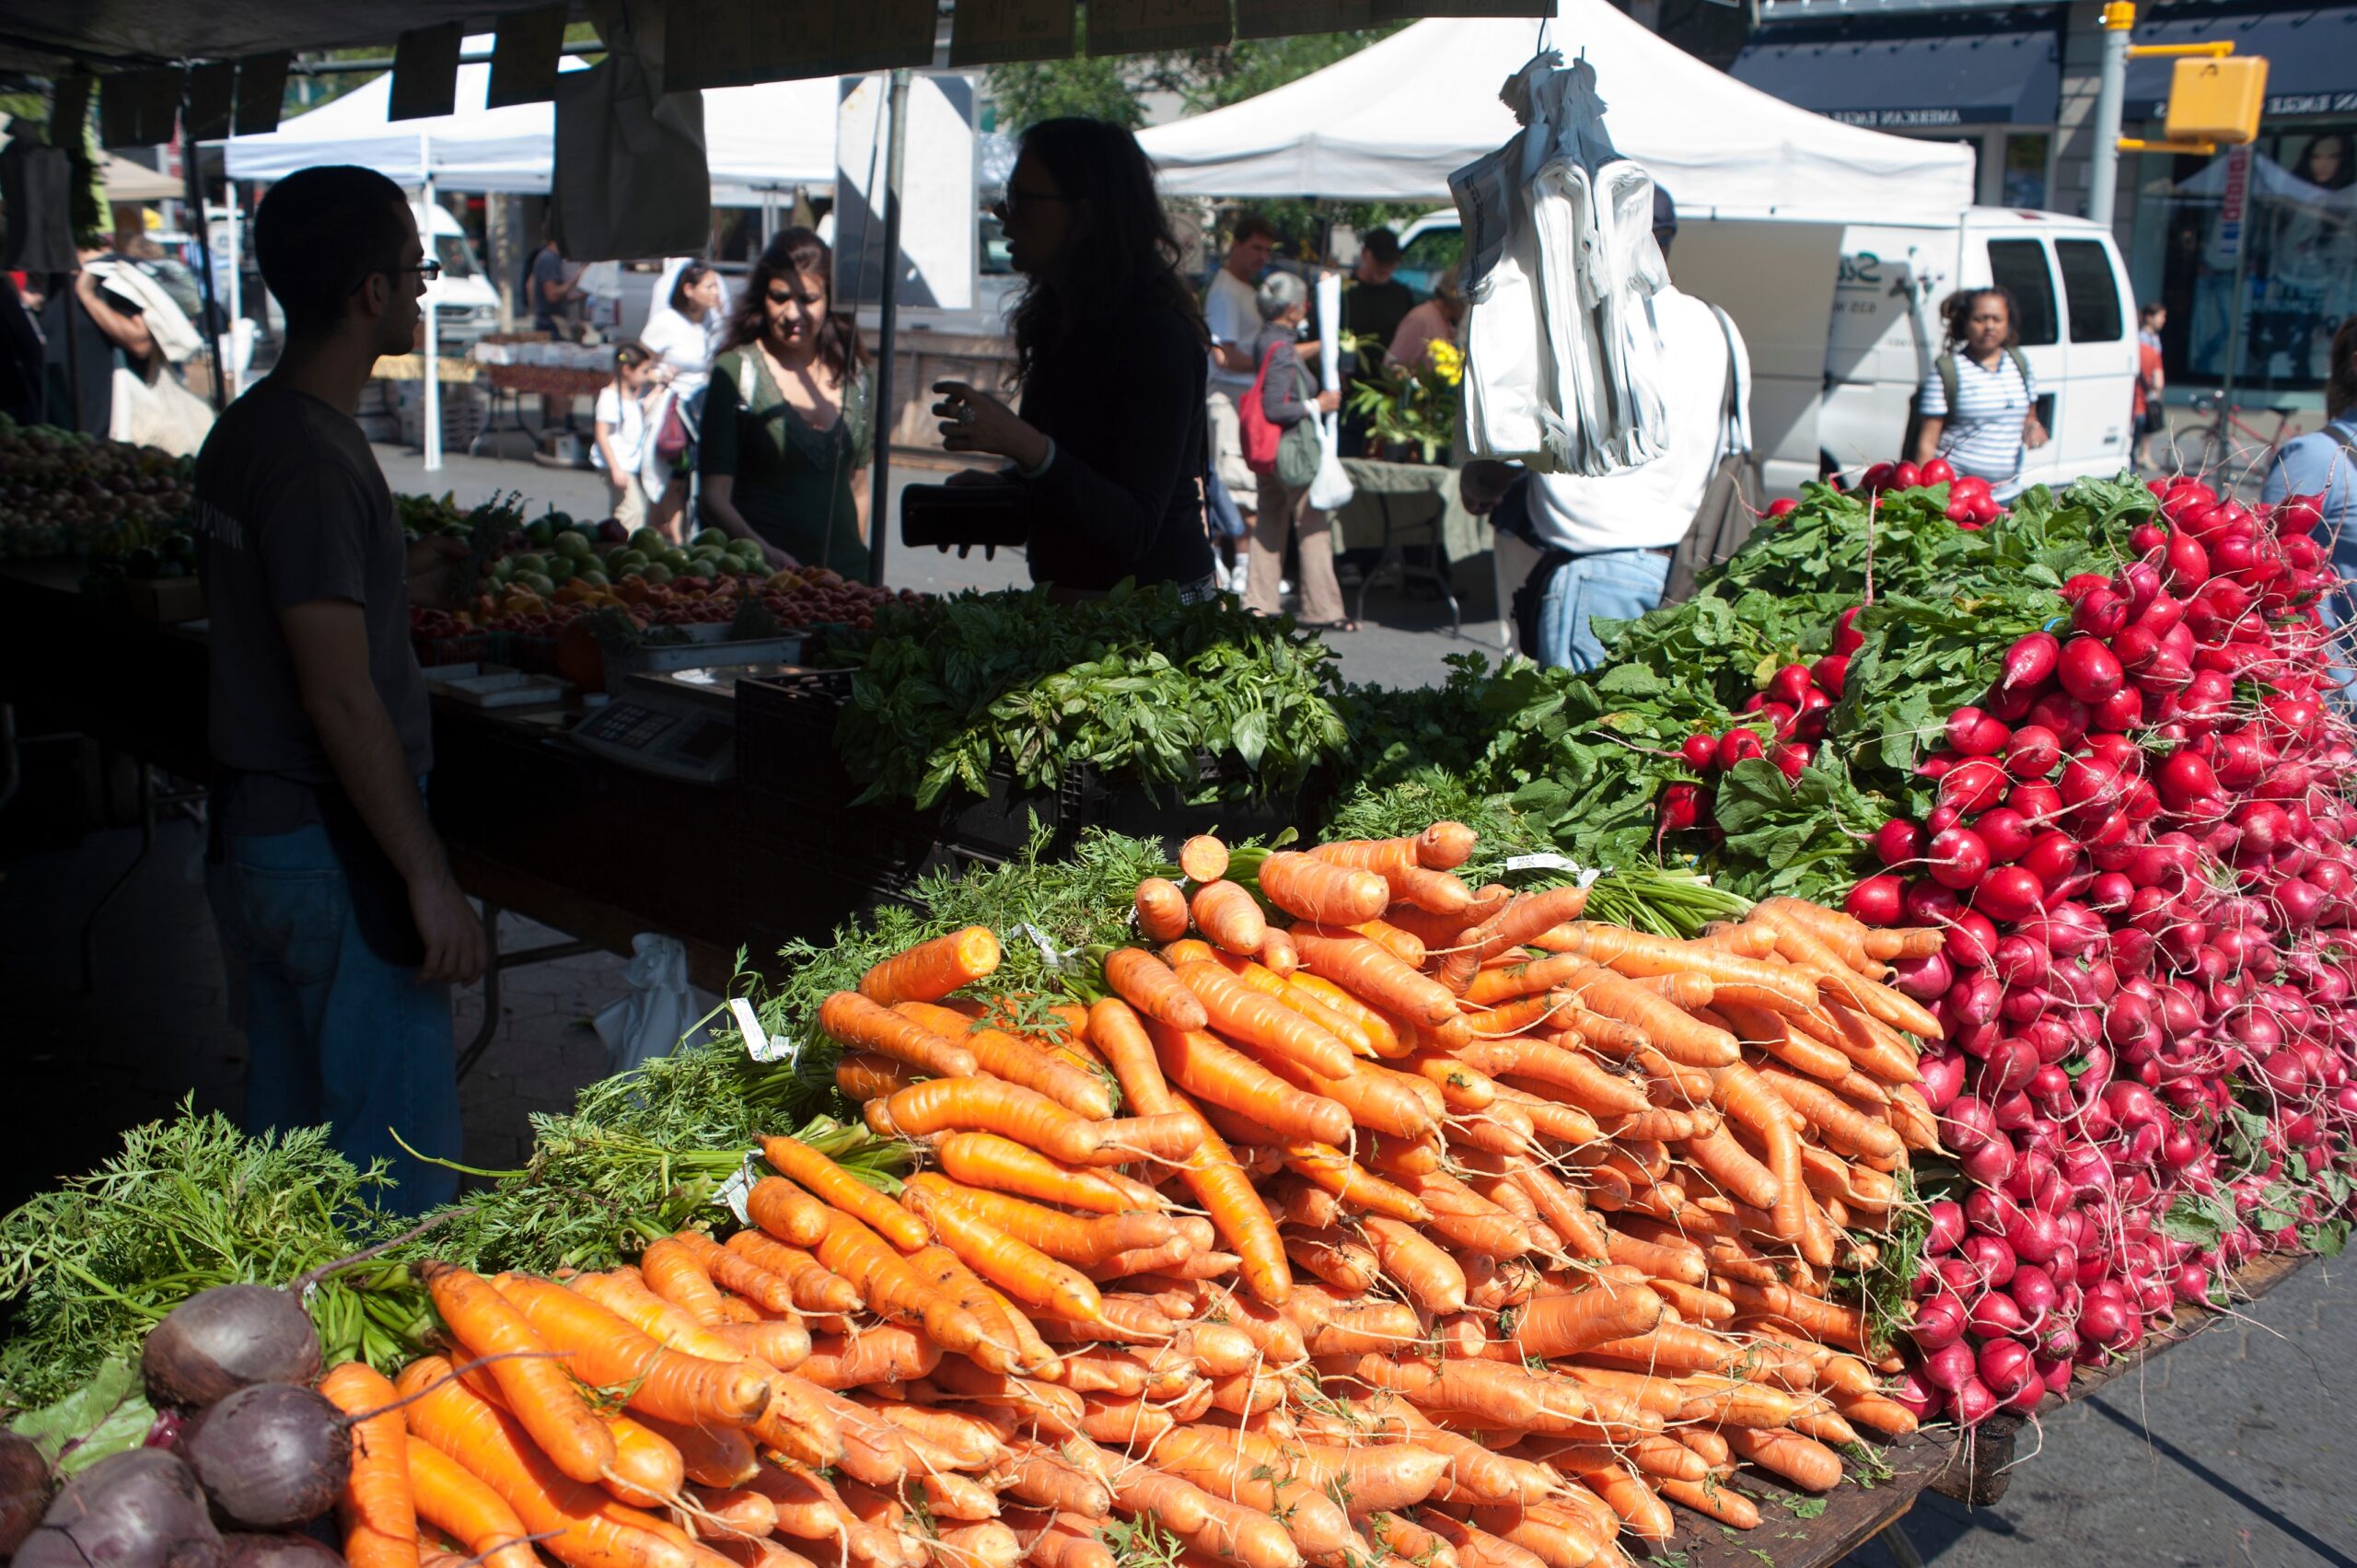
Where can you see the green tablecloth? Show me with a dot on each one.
(1403, 503)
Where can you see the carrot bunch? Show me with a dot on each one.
(1371, 1213)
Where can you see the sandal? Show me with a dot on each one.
(1344, 625)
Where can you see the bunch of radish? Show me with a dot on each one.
(2142, 854)
(1971, 504)
(1795, 706)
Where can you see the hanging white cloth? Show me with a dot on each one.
(1332, 488)
(1563, 365)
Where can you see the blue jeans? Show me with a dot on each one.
(334, 1034)
(1618, 585)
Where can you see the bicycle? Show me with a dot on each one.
(2217, 451)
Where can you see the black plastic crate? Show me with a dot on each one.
(785, 736)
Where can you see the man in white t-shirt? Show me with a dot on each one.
(1232, 313)
(1605, 541)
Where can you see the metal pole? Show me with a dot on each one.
(432, 336)
(2111, 93)
(212, 301)
(887, 332)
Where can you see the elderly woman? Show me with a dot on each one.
(1288, 395)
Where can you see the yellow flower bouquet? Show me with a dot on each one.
(1411, 406)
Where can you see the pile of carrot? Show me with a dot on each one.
(1365, 1213)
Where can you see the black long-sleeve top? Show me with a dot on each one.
(1123, 497)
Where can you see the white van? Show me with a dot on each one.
(1843, 325)
(466, 302)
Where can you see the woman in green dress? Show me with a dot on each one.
(787, 423)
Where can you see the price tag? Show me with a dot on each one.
(1541, 863)
(759, 1043)
(733, 1191)
(1047, 948)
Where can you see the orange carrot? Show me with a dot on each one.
(1726, 1504)
(737, 1273)
(1430, 1276)
(678, 1277)
(1367, 972)
(377, 1508)
(454, 1501)
(1640, 955)
(1224, 912)
(1060, 1235)
(988, 1105)
(1210, 1071)
(1352, 1184)
(1022, 1271)
(1162, 910)
(1312, 889)
(823, 1177)
(1211, 1171)
(1803, 1461)
(1577, 1077)
(1202, 858)
(815, 1288)
(1381, 1034)
(1001, 1164)
(1524, 916)
(1249, 1017)
(1669, 1028)
(603, 1350)
(863, 1023)
(1557, 1325)
(1002, 1055)
(888, 1354)
(709, 1454)
(869, 1074)
(1146, 983)
(533, 1381)
(786, 1211)
(931, 970)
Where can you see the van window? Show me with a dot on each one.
(2089, 290)
(458, 257)
(1424, 257)
(2020, 265)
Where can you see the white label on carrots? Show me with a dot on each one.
(1550, 863)
(758, 1044)
(1039, 940)
(732, 1192)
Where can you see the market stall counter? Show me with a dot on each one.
(537, 822)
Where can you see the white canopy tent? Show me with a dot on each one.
(1391, 122)
(773, 136)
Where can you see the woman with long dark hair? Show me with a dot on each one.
(1108, 449)
(788, 420)
(1980, 404)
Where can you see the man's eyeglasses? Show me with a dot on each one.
(428, 270)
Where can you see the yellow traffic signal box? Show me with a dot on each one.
(2217, 100)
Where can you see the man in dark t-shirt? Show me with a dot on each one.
(341, 923)
(1373, 307)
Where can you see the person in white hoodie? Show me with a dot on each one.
(1571, 549)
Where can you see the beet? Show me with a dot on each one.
(25, 1487)
(278, 1551)
(271, 1456)
(228, 1338)
(142, 1509)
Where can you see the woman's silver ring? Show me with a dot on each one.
(967, 413)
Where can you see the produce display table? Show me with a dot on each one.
(1397, 504)
(533, 824)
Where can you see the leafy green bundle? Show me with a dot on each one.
(1141, 684)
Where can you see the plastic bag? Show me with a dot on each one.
(661, 1010)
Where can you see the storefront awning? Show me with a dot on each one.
(1911, 81)
(2311, 55)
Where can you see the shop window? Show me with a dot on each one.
(2260, 259)
(2020, 265)
(2090, 292)
(2024, 184)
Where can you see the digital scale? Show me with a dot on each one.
(681, 723)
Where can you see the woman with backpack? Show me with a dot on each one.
(1980, 404)
(1281, 444)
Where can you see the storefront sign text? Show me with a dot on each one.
(2231, 205)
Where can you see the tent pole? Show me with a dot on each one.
(195, 198)
(432, 336)
(887, 332)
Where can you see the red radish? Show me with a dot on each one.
(1973, 785)
(1783, 506)
(2102, 612)
(2087, 669)
(1739, 745)
(1701, 751)
(1899, 841)
(1682, 808)
(1878, 900)
(2034, 752)
(1792, 760)
(1971, 939)
(1787, 684)
(1937, 471)
(1906, 476)
(2029, 661)
(2009, 893)
(1959, 858)
(1847, 638)
(1972, 733)
(1831, 672)
(2006, 832)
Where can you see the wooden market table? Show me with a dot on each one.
(534, 824)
